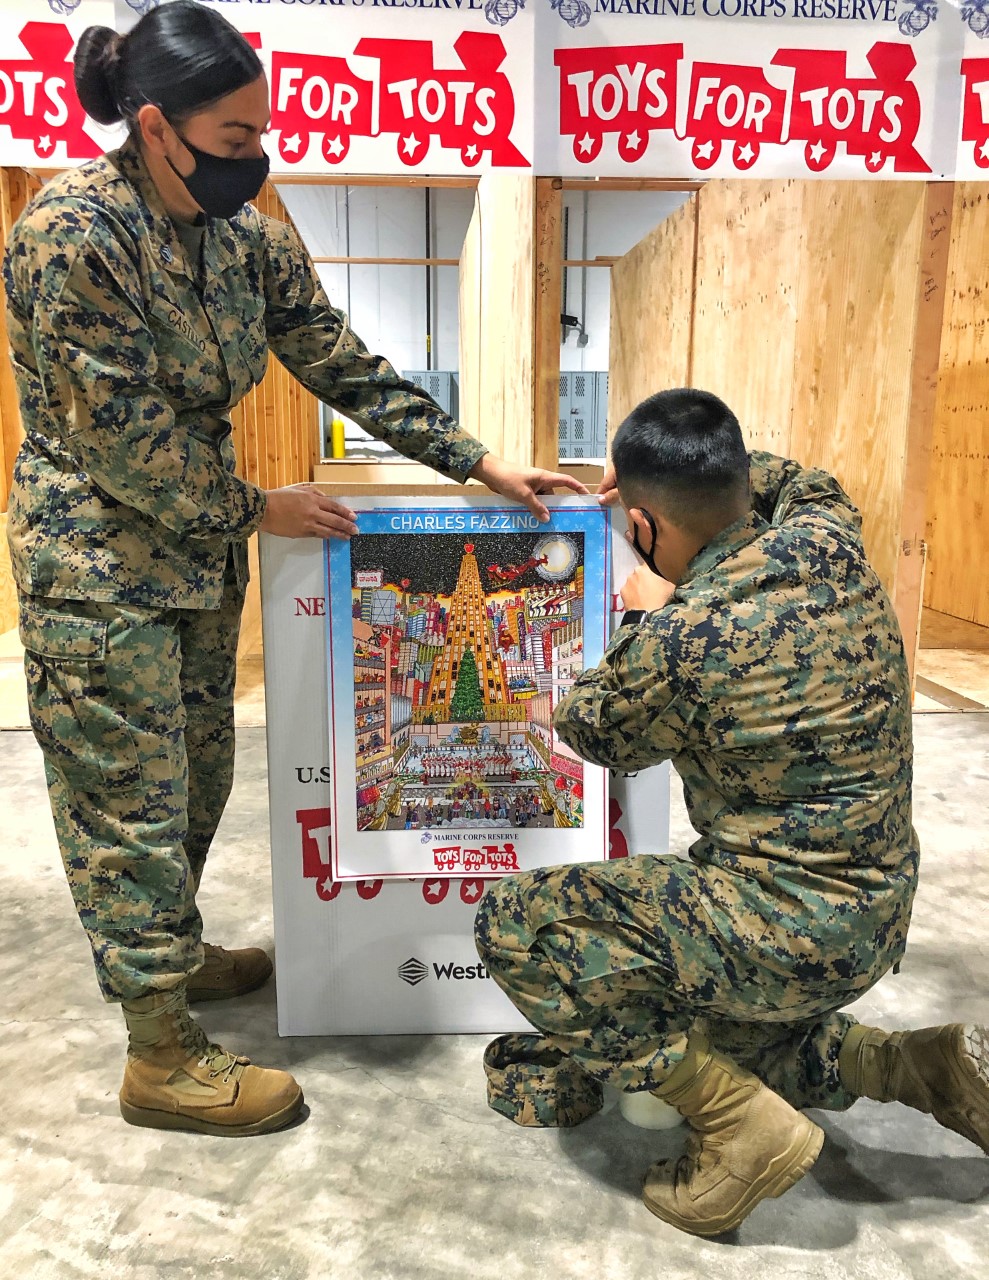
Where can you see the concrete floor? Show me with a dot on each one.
(400, 1171)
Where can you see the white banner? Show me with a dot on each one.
(649, 88)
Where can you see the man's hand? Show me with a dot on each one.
(608, 488)
(645, 590)
(522, 484)
(301, 511)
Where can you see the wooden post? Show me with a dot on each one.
(931, 292)
(548, 276)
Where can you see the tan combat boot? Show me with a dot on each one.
(746, 1144)
(176, 1079)
(942, 1071)
(226, 974)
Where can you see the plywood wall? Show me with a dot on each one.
(497, 386)
(749, 242)
(816, 317)
(958, 509)
(652, 314)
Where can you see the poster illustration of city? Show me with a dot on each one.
(455, 626)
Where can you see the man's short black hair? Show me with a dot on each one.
(684, 448)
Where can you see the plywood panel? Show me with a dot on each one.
(652, 314)
(860, 261)
(931, 294)
(547, 303)
(470, 326)
(749, 238)
(497, 307)
(958, 513)
(816, 317)
(279, 415)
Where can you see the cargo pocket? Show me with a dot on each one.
(81, 733)
(537, 1086)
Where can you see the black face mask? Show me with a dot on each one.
(647, 556)
(219, 185)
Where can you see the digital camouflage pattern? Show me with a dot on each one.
(133, 708)
(776, 682)
(127, 371)
(128, 526)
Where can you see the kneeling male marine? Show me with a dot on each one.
(773, 675)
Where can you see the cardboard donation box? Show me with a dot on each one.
(410, 742)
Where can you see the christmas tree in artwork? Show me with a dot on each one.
(467, 703)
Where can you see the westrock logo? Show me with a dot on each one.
(413, 971)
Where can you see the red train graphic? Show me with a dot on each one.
(875, 117)
(470, 109)
(735, 104)
(624, 90)
(38, 102)
(975, 108)
(631, 92)
(313, 96)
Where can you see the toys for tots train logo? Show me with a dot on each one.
(38, 102)
(804, 97)
(469, 108)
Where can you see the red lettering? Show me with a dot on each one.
(625, 91)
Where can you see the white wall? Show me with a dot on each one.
(387, 304)
(614, 222)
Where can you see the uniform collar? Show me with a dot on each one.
(219, 244)
(728, 542)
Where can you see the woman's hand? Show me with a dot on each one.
(301, 511)
(523, 484)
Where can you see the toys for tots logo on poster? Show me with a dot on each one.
(798, 98)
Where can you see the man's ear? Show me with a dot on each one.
(640, 522)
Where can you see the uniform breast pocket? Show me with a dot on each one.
(188, 364)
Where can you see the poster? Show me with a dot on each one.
(455, 627)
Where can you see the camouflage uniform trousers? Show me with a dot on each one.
(615, 963)
(133, 709)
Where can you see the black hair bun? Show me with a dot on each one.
(95, 62)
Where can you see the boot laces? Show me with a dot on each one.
(188, 1032)
(221, 1063)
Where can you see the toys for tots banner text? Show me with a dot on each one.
(637, 88)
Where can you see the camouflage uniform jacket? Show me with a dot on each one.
(128, 364)
(775, 680)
